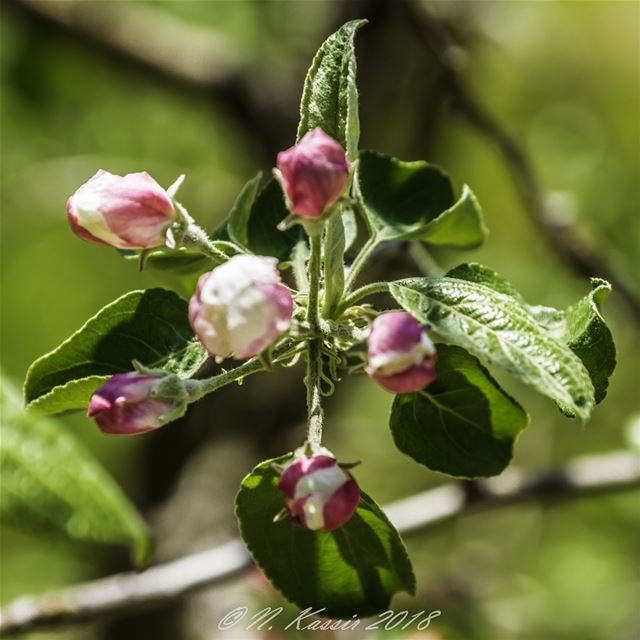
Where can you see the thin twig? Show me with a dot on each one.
(570, 243)
(425, 262)
(606, 473)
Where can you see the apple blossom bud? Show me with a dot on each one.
(125, 212)
(320, 495)
(130, 403)
(314, 173)
(241, 307)
(402, 358)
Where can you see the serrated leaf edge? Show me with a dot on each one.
(36, 403)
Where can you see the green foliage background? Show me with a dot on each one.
(564, 76)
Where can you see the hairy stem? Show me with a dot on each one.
(299, 265)
(363, 292)
(314, 348)
(360, 261)
(200, 388)
(195, 237)
(334, 243)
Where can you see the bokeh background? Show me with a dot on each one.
(211, 89)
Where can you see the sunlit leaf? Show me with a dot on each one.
(415, 200)
(581, 326)
(499, 330)
(150, 326)
(330, 95)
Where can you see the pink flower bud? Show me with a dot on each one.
(319, 494)
(314, 173)
(402, 358)
(241, 307)
(130, 212)
(130, 403)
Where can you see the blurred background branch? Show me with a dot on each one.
(192, 57)
(571, 242)
(185, 51)
(613, 472)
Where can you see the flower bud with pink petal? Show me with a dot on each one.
(401, 356)
(319, 494)
(125, 212)
(314, 173)
(241, 307)
(131, 403)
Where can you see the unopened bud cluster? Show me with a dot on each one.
(240, 309)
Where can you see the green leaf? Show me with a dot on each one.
(416, 200)
(461, 226)
(350, 228)
(463, 423)
(177, 268)
(50, 482)
(551, 319)
(478, 273)
(589, 337)
(238, 219)
(334, 246)
(330, 95)
(149, 326)
(181, 262)
(500, 330)
(299, 258)
(581, 326)
(262, 235)
(71, 396)
(354, 570)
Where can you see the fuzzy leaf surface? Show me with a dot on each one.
(330, 94)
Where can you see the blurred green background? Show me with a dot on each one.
(562, 76)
